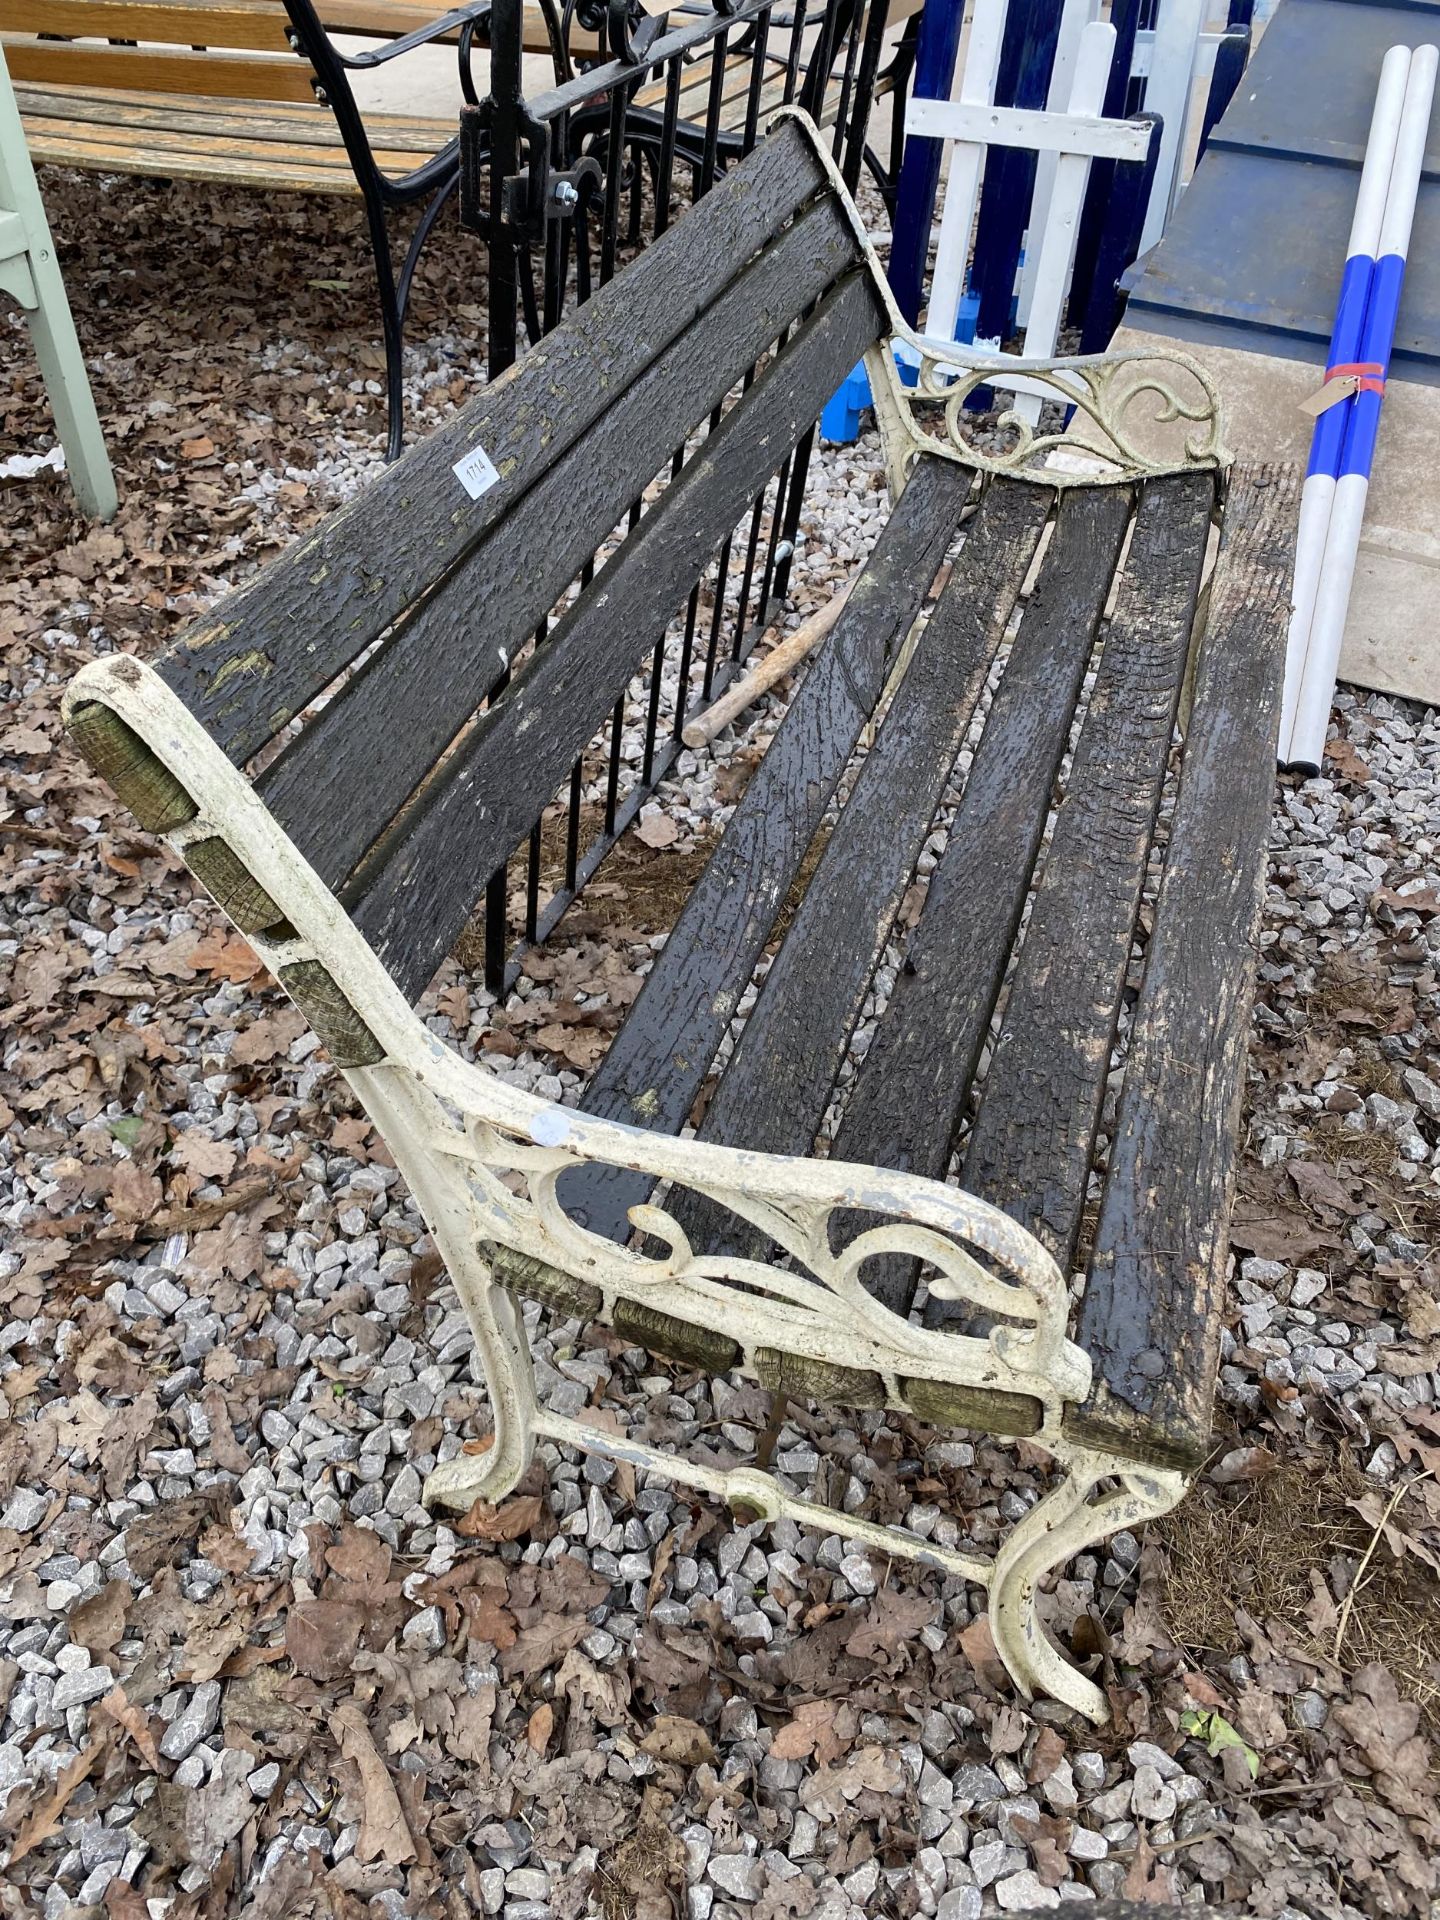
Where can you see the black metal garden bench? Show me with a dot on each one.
(533, 576)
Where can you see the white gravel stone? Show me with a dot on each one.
(25, 1510)
(858, 1573)
(737, 1876)
(1151, 1798)
(199, 1716)
(78, 1689)
(1022, 1892)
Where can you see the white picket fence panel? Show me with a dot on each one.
(1068, 133)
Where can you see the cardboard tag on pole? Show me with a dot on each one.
(1330, 394)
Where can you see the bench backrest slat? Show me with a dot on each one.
(283, 638)
(259, 25)
(413, 896)
(353, 767)
(223, 76)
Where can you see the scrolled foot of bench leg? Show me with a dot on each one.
(509, 1382)
(1056, 1528)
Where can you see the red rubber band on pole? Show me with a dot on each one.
(1368, 375)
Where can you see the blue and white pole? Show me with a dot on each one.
(1328, 441)
(1337, 570)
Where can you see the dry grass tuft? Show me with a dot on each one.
(1271, 1547)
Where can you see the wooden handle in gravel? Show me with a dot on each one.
(776, 664)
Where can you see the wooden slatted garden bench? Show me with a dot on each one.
(251, 93)
(532, 573)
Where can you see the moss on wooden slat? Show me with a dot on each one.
(223, 873)
(122, 759)
(818, 1380)
(945, 1403)
(314, 990)
(677, 1339)
(559, 1291)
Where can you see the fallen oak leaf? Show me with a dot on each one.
(134, 1721)
(657, 829)
(812, 1730)
(487, 1619)
(384, 1831)
(507, 1522)
(683, 1742)
(540, 1727)
(45, 1819)
(226, 955)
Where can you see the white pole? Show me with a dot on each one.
(1332, 596)
(1328, 440)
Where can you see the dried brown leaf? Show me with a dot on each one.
(384, 1832)
(684, 1742)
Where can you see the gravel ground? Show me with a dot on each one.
(243, 1670)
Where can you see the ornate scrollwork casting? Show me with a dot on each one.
(816, 1304)
(1136, 409)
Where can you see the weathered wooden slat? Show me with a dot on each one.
(306, 123)
(246, 670)
(302, 152)
(413, 895)
(230, 75)
(776, 1087)
(906, 1105)
(255, 24)
(1030, 1147)
(659, 1059)
(356, 764)
(1150, 1317)
(233, 164)
(213, 23)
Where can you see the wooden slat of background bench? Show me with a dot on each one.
(285, 636)
(256, 24)
(159, 70)
(304, 155)
(413, 895)
(778, 1082)
(248, 24)
(906, 1104)
(1151, 1313)
(660, 1057)
(340, 783)
(199, 117)
(1031, 1145)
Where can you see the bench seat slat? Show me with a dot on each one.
(776, 1087)
(278, 641)
(357, 763)
(660, 1057)
(307, 167)
(906, 1105)
(1031, 1143)
(413, 895)
(1151, 1313)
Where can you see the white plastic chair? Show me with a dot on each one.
(30, 273)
